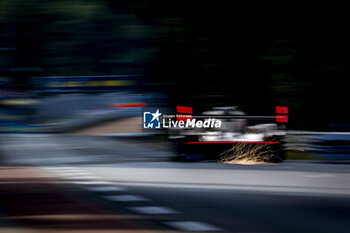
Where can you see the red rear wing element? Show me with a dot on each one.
(281, 110)
(182, 109)
(282, 114)
(282, 118)
(184, 113)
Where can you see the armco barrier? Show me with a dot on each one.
(328, 144)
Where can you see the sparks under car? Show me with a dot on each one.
(236, 128)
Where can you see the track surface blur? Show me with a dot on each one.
(285, 197)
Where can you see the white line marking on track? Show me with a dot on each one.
(73, 174)
(81, 177)
(106, 189)
(153, 210)
(125, 198)
(60, 168)
(318, 175)
(92, 182)
(192, 226)
(67, 170)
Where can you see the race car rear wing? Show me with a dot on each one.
(280, 117)
(236, 117)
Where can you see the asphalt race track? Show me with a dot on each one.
(200, 196)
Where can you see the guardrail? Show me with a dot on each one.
(327, 144)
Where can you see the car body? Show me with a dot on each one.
(196, 144)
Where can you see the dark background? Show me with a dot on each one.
(200, 54)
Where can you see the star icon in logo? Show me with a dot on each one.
(156, 115)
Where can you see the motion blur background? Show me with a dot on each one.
(75, 76)
(193, 54)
